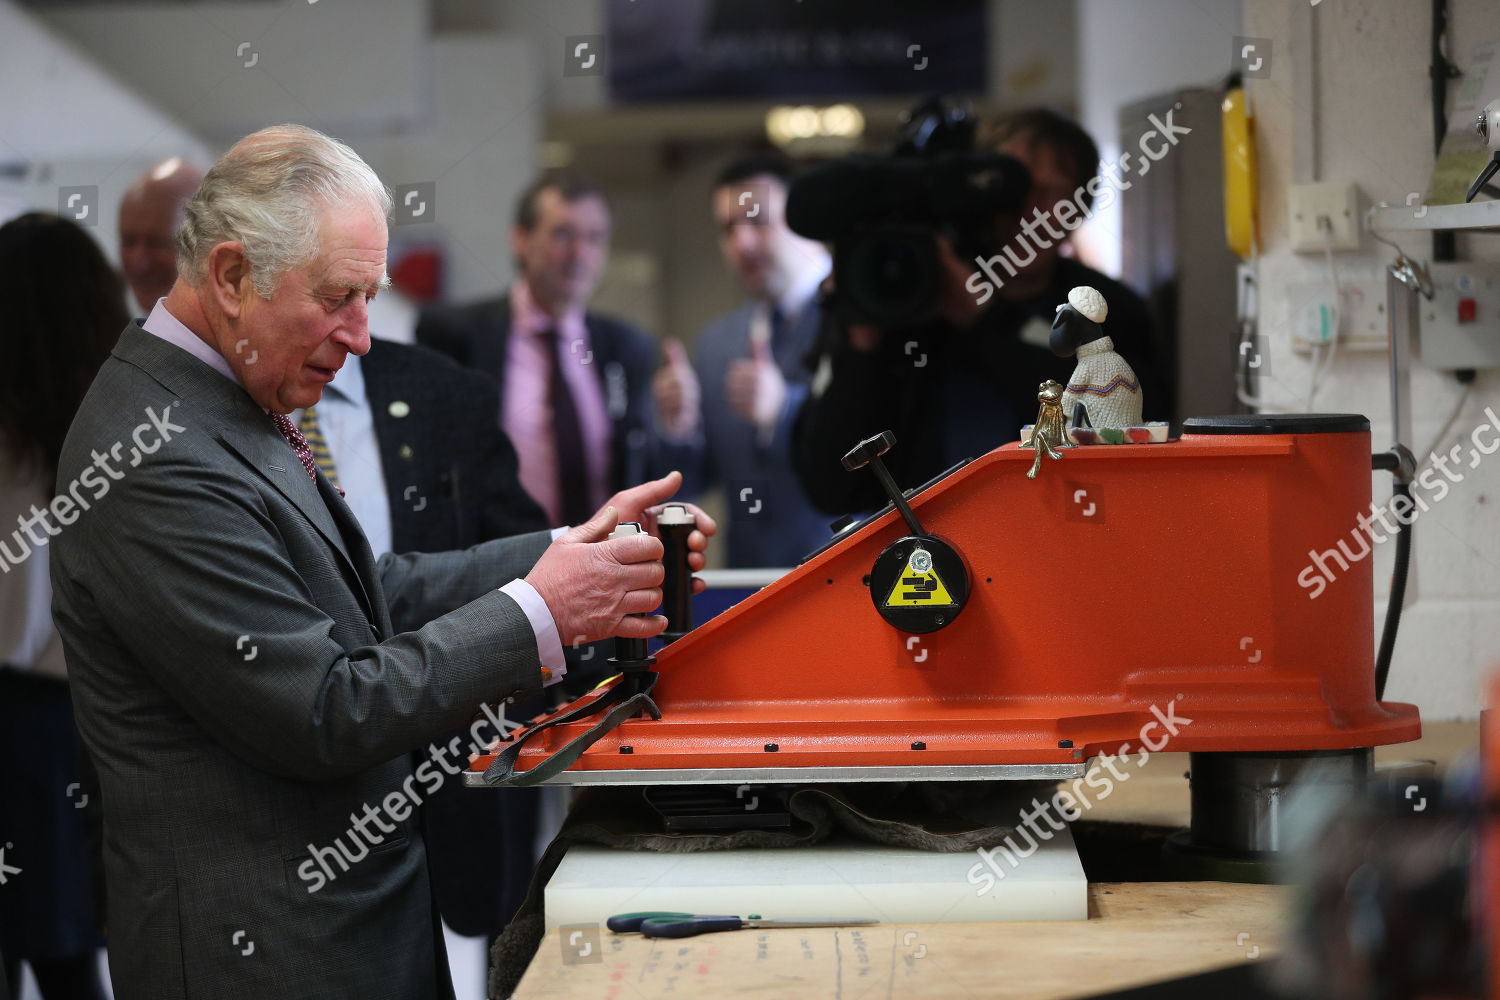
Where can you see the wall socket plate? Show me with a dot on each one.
(1307, 202)
(1446, 342)
(1442, 340)
(1362, 320)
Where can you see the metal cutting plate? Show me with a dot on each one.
(805, 775)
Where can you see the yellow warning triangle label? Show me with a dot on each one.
(918, 590)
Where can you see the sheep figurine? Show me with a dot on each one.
(1103, 391)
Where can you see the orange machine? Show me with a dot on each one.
(1128, 591)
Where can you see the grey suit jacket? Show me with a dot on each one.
(248, 679)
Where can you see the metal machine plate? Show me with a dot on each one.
(806, 775)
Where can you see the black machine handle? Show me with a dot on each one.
(674, 524)
(868, 452)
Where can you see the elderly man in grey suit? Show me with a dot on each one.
(254, 687)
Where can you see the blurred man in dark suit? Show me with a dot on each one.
(413, 441)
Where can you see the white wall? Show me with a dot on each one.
(1133, 49)
(547, 26)
(1374, 126)
(1033, 52)
(478, 148)
(67, 123)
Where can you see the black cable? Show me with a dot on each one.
(1397, 598)
(1440, 70)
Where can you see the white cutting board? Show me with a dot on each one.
(836, 879)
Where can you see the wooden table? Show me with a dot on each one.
(1137, 933)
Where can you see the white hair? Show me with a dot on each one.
(266, 194)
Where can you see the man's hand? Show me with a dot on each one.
(756, 387)
(592, 584)
(642, 503)
(959, 306)
(676, 390)
(862, 337)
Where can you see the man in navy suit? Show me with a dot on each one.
(575, 386)
(727, 417)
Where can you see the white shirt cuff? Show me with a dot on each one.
(559, 532)
(548, 645)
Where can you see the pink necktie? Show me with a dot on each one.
(299, 445)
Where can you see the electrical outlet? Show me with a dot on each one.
(1361, 324)
(1307, 203)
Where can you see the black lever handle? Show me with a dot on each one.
(868, 452)
(674, 524)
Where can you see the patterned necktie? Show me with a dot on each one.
(778, 327)
(299, 445)
(317, 444)
(572, 461)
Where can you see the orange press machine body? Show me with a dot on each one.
(1160, 596)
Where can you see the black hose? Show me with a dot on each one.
(1397, 598)
(1439, 72)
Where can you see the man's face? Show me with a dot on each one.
(316, 318)
(755, 246)
(563, 255)
(148, 253)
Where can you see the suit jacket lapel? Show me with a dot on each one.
(492, 343)
(245, 430)
(265, 451)
(382, 386)
(361, 558)
(386, 380)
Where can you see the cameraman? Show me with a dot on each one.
(962, 384)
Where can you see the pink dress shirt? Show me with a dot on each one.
(526, 413)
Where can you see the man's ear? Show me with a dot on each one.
(229, 278)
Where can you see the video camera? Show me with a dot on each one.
(883, 214)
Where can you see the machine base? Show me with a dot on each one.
(1240, 806)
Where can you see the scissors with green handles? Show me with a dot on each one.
(666, 924)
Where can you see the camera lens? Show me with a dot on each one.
(892, 275)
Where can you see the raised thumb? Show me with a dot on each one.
(676, 354)
(760, 351)
(596, 528)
